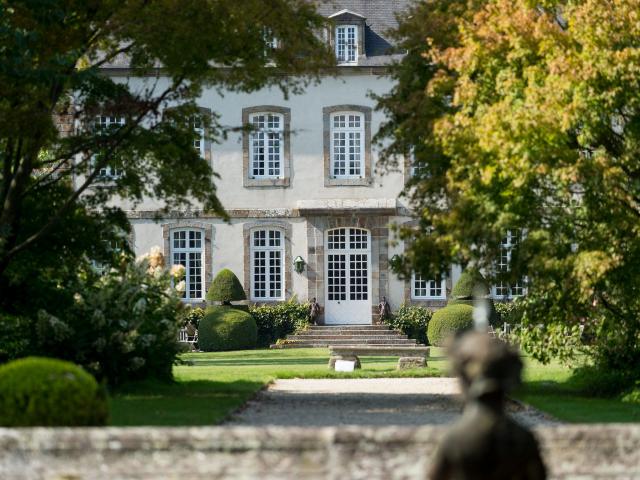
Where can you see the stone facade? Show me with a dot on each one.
(586, 452)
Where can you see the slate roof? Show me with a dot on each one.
(380, 17)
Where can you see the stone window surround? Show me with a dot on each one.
(168, 227)
(329, 180)
(286, 228)
(377, 226)
(285, 180)
(348, 19)
(427, 298)
(408, 285)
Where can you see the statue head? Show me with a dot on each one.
(486, 366)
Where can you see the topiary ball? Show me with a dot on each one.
(37, 391)
(226, 288)
(227, 328)
(449, 321)
(470, 280)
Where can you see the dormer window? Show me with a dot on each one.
(347, 36)
(347, 43)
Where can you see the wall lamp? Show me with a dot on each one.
(298, 264)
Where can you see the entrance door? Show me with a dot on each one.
(348, 274)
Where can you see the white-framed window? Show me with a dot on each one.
(198, 128)
(187, 249)
(347, 44)
(503, 289)
(270, 40)
(426, 289)
(267, 269)
(347, 144)
(104, 124)
(266, 145)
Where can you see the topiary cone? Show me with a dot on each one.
(470, 283)
(226, 288)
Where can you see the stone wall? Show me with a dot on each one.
(578, 451)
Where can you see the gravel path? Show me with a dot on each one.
(375, 402)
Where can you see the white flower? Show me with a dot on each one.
(177, 271)
(140, 306)
(78, 298)
(156, 258)
(181, 286)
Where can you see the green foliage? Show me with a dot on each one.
(121, 326)
(191, 314)
(595, 381)
(449, 321)
(15, 337)
(412, 320)
(545, 342)
(509, 312)
(227, 328)
(226, 288)
(279, 320)
(508, 140)
(471, 283)
(48, 392)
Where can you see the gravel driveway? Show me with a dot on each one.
(374, 401)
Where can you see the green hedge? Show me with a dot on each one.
(227, 328)
(37, 391)
(226, 288)
(449, 321)
(279, 320)
(411, 320)
(470, 280)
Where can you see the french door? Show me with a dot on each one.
(348, 276)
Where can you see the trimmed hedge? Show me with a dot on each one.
(448, 321)
(226, 288)
(470, 280)
(412, 320)
(279, 320)
(36, 391)
(227, 328)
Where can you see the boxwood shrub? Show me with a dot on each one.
(279, 320)
(226, 328)
(449, 321)
(412, 320)
(36, 391)
(226, 288)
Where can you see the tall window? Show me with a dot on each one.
(347, 145)
(187, 250)
(266, 144)
(267, 253)
(347, 43)
(508, 244)
(198, 128)
(425, 289)
(104, 124)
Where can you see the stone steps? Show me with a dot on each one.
(325, 335)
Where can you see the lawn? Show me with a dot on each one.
(209, 386)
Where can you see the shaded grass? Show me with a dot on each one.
(554, 389)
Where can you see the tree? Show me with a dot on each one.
(526, 115)
(51, 54)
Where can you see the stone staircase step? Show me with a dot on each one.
(355, 338)
(350, 334)
(351, 341)
(323, 345)
(349, 327)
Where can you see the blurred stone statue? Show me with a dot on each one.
(314, 311)
(384, 309)
(485, 443)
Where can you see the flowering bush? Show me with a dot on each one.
(122, 325)
(412, 320)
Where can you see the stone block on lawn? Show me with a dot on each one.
(349, 358)
(411, 362)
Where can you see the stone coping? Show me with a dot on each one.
(610, 451)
